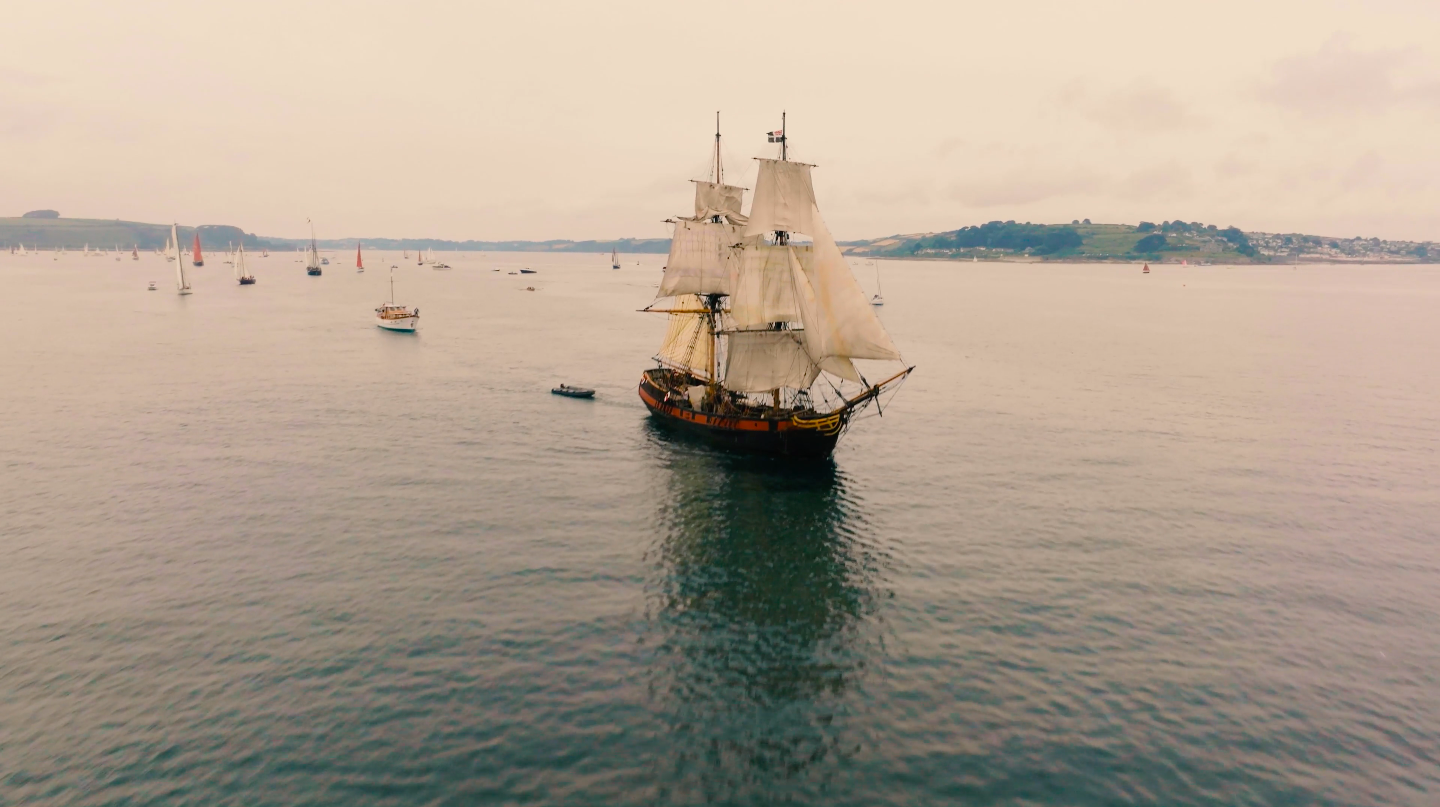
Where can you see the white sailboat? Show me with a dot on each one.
(615, 258)
(879, 298)
(394, 317)
(182, 283)
(242, 273)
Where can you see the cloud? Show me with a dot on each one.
(1023, 187)
(1339, 80)
(1143, 106)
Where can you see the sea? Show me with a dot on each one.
(1121, 539)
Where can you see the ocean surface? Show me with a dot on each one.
(1120, 540)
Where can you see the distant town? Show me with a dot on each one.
(1080, 240)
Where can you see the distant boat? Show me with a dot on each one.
(241, 273)
(394, 317)
(135, 253)
(1146, 270)
(198, 258)
(264, 253)
(152, 286)
(879, 298)
(359, 261)
(527, 271)
(312, 255)
(182, 283)
(614, 259)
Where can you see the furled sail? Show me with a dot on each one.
(689, 344)
(760, 361)
(699, 260)
(712, 199)
(784, 199)
(764, 288)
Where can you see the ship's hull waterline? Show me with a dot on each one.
(765, 435)
(403, 324)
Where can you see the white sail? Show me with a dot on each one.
(764, 288)
(712, 199)
(839, 323)
(699, 261)
(181, 283)
(240, 262)
(760, 361)
(784, 199)
(689, 344)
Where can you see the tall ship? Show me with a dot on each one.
(765, 327)
(312, 254)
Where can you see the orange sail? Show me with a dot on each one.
(199, 259)
(359, 264)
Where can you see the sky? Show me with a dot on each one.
(577, 120)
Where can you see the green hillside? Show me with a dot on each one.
(1172, 241)
(109, 233)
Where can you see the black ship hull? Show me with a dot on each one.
(786, 434)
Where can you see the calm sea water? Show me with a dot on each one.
(1122, 539)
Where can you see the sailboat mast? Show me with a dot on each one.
(784, 151)
(719, 172)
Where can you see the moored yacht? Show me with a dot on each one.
(393, 317)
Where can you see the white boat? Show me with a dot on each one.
(182, 283)
(614, 259)
(879, 298)
(242, 273)
(394, 317)
(152, 285)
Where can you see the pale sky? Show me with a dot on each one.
(586, 119)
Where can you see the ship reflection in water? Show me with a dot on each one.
(762, 623)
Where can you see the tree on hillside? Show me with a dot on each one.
(1145, 227)
(1153, 242)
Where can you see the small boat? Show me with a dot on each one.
(312, 255)
(394, 317)
(197, 258)
(264, 253)
(359, 262)
(135, 253)
(152, 286)
(879, 298)
(614, 259)
(439, 265)
(241, 273)
(573, 392)
(324, 261)
(527, 271)
(1146, 270)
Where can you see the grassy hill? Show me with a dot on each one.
(1171, 241)
(109, 233)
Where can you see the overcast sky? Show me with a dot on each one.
(585, 119)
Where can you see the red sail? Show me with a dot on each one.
(358, 263)
(198, 256)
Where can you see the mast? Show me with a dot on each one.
(719, 173)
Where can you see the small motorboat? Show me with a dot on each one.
(573, 392)
(324, 261)
(152, 285)
(439, 265)
(527, 271)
